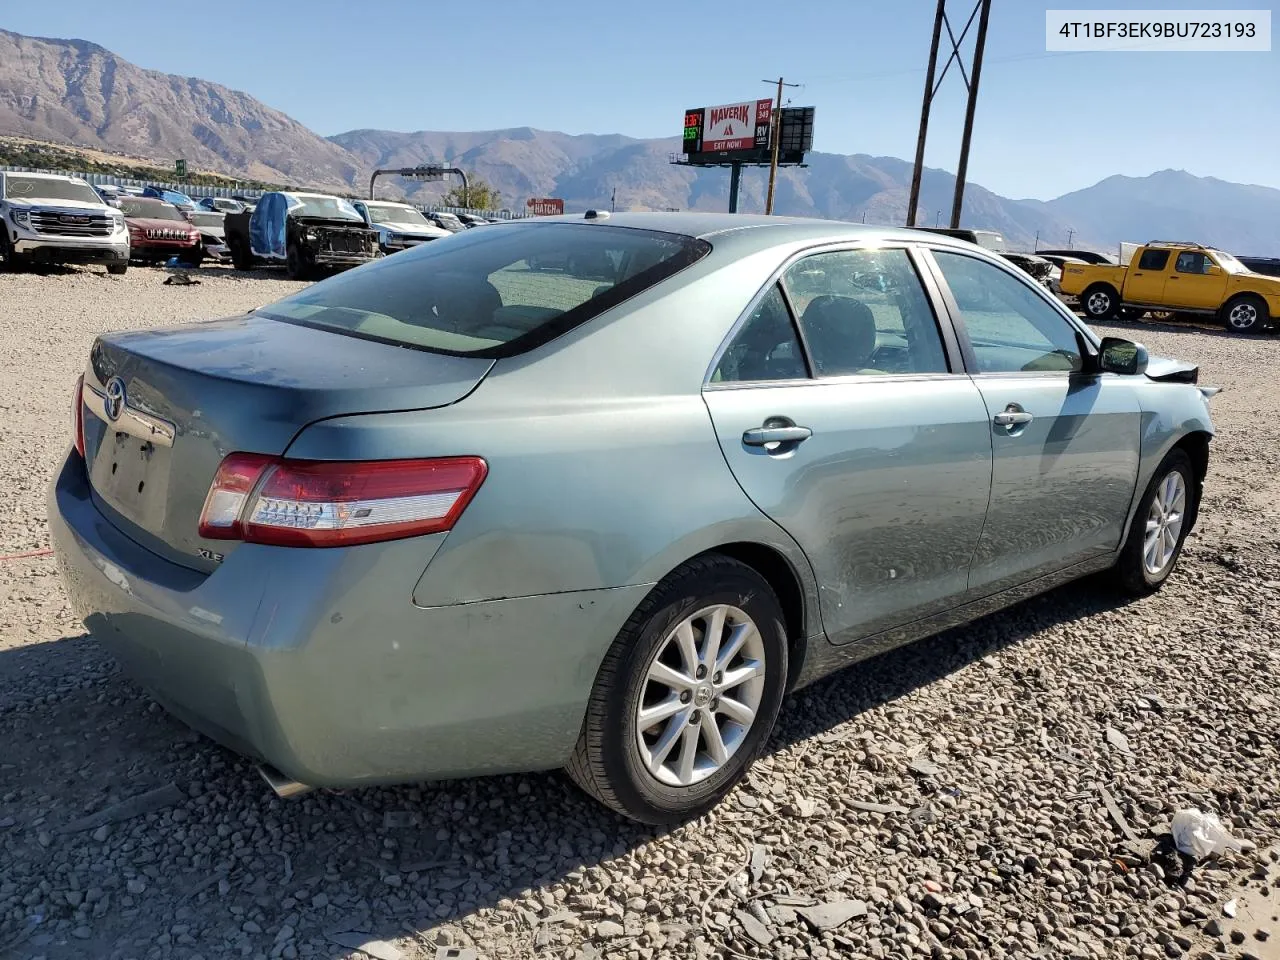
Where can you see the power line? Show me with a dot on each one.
(909, 71)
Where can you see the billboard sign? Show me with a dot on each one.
(731, 131)
(737, 126)
(545, 206)
(742, 132)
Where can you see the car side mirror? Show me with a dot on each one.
(1213, 270)
(1122, 356)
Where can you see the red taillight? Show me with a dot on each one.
(315, 503)
(77, 416)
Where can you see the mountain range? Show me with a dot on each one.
(76, 92)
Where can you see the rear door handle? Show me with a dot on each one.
(763, 436)
(1012, 416)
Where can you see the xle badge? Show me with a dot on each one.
(209, 554)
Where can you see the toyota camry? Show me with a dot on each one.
(458, 512)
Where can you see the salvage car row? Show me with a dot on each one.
(50, 218)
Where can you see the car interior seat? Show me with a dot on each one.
(841, 332)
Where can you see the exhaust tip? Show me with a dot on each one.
(284, 787)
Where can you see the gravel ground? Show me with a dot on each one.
(1004, 790)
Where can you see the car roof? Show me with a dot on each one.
(759, 231)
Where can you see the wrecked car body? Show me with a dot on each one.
(306, 232)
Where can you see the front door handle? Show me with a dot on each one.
(763, 436)
(1012, 416)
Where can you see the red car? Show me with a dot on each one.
(158, 231)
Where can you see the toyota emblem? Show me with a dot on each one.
(114, 402)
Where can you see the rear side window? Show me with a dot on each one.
(1153, 259)
(493, 292)
(864, 312)
(766, 348)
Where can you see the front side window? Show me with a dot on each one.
(1192, 261)
(482, 294)
(864, 312)
(1153, 259)
(765, 347)
(1010, 326)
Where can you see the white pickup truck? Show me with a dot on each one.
(46, 218)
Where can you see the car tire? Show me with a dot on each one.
(10, 260)
(622, 764)
(1247, 313)
(117, 269)
(192, 258)
(1150, 553)
(295, 263)
(1100, 302)
(241, 257)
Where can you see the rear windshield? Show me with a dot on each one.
(492, 293)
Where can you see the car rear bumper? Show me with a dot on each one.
(318, 662)
(72, 251)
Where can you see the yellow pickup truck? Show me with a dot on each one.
(1178, 278)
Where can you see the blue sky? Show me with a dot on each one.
(1046, 123)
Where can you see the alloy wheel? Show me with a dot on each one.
(1164, 523)
(1243, 316)
(1098, 304)
(701, 694)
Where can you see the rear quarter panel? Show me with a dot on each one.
(604, 469)
(1077, 277)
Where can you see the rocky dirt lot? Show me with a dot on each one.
(1004, 790)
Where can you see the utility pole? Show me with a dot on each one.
(962, 172)
(1070, 233)
(1037, 243)
(775, 124)
(931, 87)
(613, 201)
(937, 218)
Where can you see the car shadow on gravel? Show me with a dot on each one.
(234, 867)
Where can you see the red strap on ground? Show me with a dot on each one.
(46, 552)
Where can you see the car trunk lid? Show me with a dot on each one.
(164, 407)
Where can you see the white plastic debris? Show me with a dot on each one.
(1201, 834)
